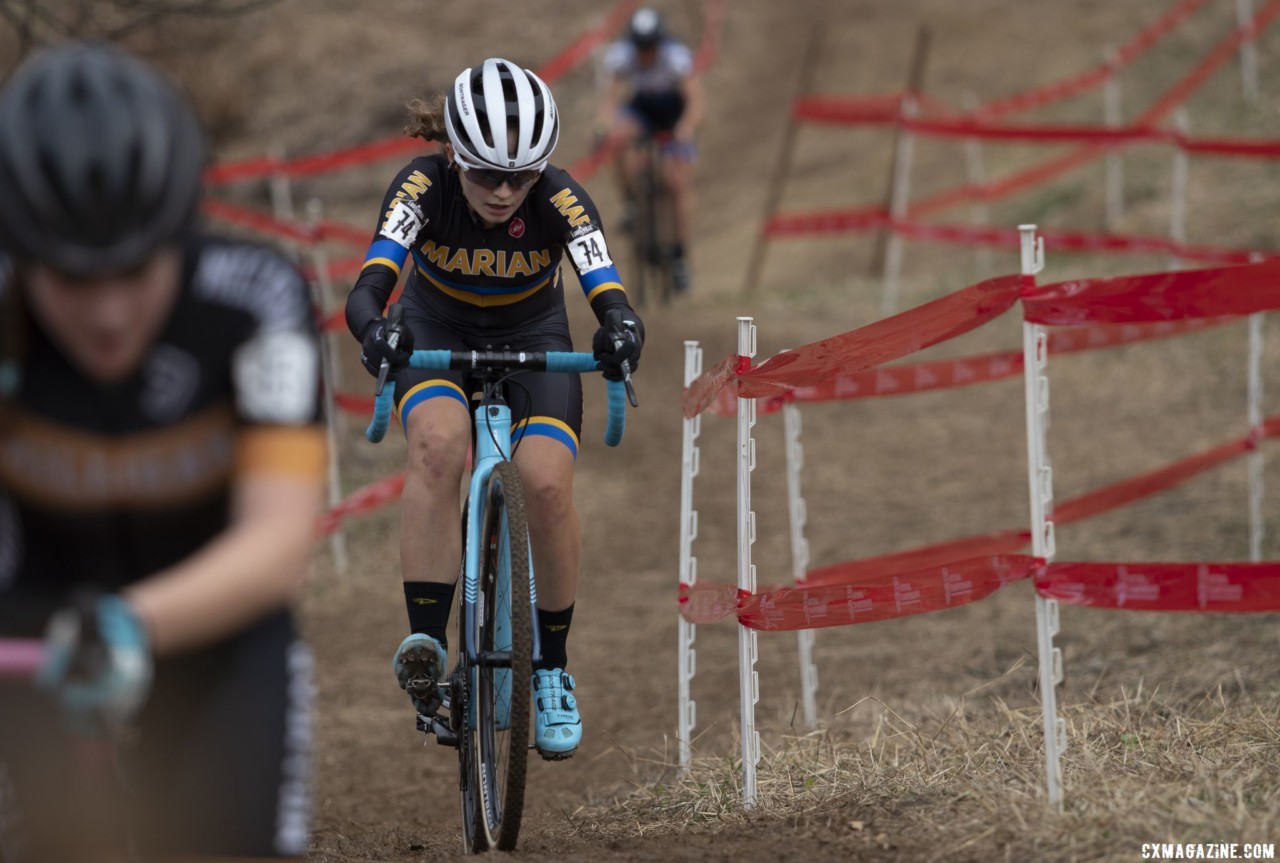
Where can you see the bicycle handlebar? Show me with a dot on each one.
(20, 657)
(548, 361)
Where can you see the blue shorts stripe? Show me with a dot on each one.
(429, 390)
(547, 427)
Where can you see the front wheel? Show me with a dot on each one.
(504, 629)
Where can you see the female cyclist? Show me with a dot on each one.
(161, 470)
(651, 86)
(483, 228)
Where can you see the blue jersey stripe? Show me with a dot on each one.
(389, 249)
(596, 278)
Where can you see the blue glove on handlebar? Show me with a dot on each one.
(97, 662)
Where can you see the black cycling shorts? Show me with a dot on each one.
(543, 404)
(658, 112)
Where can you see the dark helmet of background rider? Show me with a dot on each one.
(100, 161)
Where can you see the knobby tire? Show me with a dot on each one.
(502, 750)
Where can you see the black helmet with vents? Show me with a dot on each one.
(100, 160)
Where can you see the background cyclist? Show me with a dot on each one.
(160, 446)
(482, 230)
(651, 85)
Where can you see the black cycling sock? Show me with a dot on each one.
(429, 603)
(677, 251)
(553, 630)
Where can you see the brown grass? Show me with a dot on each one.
(1141, 767)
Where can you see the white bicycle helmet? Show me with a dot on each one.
(645, 29)
(500, 116)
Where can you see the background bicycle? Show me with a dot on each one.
(653, 278)
(485, 712)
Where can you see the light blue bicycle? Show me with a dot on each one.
(487, 696)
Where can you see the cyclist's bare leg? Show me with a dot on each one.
(439, 433)
(555, 532)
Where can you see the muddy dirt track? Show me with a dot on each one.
(880, 475)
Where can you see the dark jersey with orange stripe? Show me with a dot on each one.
(105, 484)
(476, 279)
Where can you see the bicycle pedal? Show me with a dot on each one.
(422, 686)
(553, 756)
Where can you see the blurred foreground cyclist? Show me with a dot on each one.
(161, 469)
(482, 230)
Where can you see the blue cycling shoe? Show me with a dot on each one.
(557, 725)
(419, 667)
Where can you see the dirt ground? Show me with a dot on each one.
(880, 475)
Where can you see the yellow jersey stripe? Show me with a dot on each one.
(386, 262)
(486, 300)
(605, 286)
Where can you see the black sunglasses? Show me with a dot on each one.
(491, 178)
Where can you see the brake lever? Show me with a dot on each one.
(626, 380)
(626, 376)
(394, 320)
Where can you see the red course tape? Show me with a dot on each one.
(880, 598)
(1224, 587)
(1212, 292)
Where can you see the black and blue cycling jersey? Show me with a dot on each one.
(473, 286)
(479, 279)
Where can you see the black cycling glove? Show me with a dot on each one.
(376, 348)
(620, 339)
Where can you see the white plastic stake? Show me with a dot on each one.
(899, 198)
(1114, 168)
(1256, 488)
(281, 193)
(321, 285)
(1178, 189)
(748, 678)
(979, 212)
(800, 558)
(688, 563)
(1040, 483)
(1248, 53)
